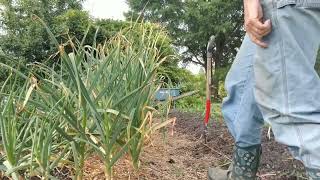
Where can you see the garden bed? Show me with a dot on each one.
(184, 156)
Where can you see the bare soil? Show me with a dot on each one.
(180, 154)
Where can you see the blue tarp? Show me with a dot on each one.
(164, 93)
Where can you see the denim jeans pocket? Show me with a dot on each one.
(283, 3)
(299, 3)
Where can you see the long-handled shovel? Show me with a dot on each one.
(208, 88)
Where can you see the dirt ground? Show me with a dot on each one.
(184, 156)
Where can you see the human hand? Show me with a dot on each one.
(256, 29)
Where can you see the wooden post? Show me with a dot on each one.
(209, 84)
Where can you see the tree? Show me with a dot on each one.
(25, 38)
(191, 23)
(73, 22)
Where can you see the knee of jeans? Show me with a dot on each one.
(236, 81)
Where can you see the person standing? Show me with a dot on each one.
(273, 79)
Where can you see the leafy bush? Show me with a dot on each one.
(222, 91)
(190, 82)
(196, 103)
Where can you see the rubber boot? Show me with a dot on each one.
(244, 165)
(313, 174)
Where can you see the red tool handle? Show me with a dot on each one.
(208, 109)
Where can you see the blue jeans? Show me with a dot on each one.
(279, 84)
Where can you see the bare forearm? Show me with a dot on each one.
(254, 25)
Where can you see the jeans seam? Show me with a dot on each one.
(299, 3)
(286, 103)
(304, 3)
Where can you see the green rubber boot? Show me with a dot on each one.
(313, 174)
(244, 165)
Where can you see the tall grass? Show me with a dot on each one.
(96, 99)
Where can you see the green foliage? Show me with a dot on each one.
(10, 60)
(222, 91)
(197, 102)
(109, 28)
(191, 23)
(194, 103)
(73, 23)
(178, 77)
(24, 37)
(99, 101)
(190, 82)
(219, 77)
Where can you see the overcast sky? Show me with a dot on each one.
(113, 9)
